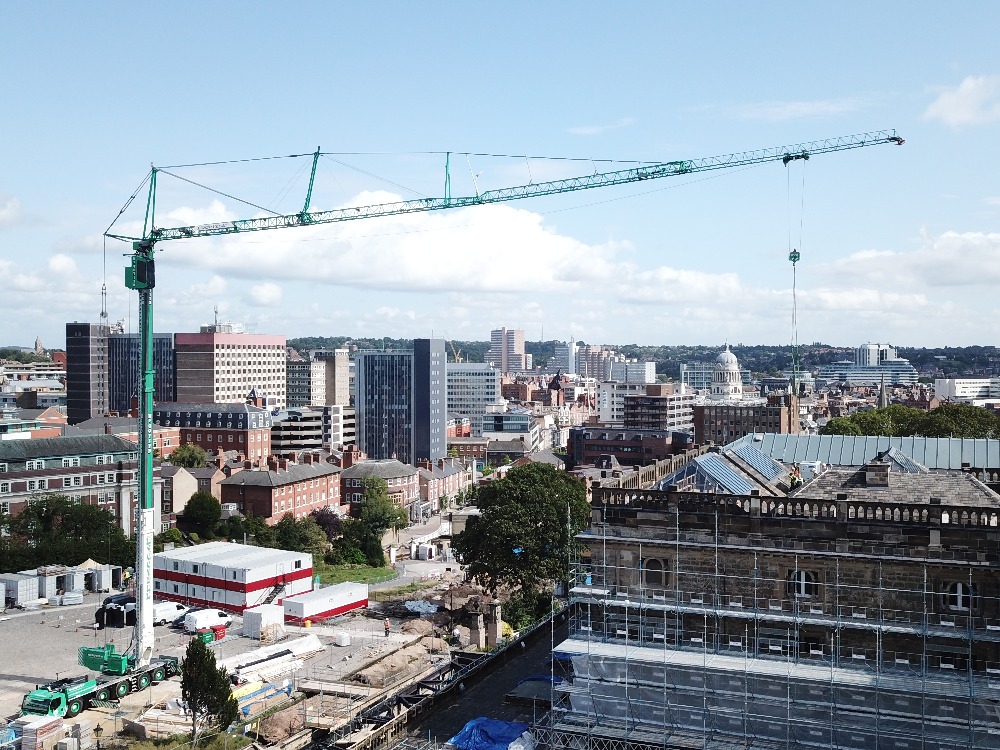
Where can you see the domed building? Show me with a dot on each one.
(727, 381)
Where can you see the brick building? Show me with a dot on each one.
(726, 421)
(92, 469)
(243, 428)
(283, 487)
(631, 447)
(402, 480)
(440, 481)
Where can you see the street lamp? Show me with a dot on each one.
(98, 731)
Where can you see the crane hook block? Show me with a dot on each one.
(142, 273)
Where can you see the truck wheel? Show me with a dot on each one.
(122, 689)
(103, 694)
(158, 674)
(143, 681)
(74, 708)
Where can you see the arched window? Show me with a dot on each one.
(654, 573)
(961, 597)
(801, 584)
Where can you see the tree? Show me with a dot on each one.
(203, 511)
(303, 535)
(56, 529)
(190, 456)
(378, 510)
(206, 690)
(962, 421)
(526, 528)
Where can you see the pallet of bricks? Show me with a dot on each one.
(41, 732)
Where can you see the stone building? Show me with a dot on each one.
(861, 610)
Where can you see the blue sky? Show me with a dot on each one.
(898, 244)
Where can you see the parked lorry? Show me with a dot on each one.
(69, 696)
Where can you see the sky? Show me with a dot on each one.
(898, 244)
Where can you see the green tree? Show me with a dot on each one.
(57, 529)
(190, 456)
(378, 510)
(302, 535)
(840, 426)
(962, 421)
(203, 511)
(172, 535)
(206, 691)
(526, 528)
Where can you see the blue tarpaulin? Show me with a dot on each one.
(487, 734)
(540, 678)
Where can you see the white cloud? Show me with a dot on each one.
(62, 265)
(10, 210)
(975, 101)
(780, 111)
(266, 295)
(624, 122)
(495, 248)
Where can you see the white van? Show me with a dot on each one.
(167, 612)
(205, 618)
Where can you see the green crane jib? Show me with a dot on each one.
(783, 154)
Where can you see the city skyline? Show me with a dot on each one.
(897, 244)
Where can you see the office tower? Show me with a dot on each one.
(507, 349)
(221, 366)
(124, 365)
(306, 380)
(86, 371)
(401, 402)
(472, 388)
(565, 357)
(338, 374)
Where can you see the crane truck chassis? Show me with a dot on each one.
(69, 696)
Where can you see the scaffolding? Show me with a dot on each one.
(689, 629)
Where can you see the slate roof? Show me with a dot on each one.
(294, 473)
(506, 446)
(82, 445)
(850, 450)
(953, 488)
(386, 468)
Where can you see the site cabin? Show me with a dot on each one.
(69, 696)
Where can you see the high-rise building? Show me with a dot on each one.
(565, 357)
(86, 371)
(593, 361)
(221, 366)
(306, 380)
(633, 372)
(873, 365)
(125, 365)
(338, 374)
(472, 387)
(507, 349)
(401, 402)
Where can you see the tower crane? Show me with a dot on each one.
(140, 276)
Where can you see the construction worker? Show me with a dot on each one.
(386, 627)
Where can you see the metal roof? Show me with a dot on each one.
(851, 450)
(761, 462)
(723, 474)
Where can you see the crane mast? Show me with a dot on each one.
(141, 277)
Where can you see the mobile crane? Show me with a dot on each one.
(136, 668)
